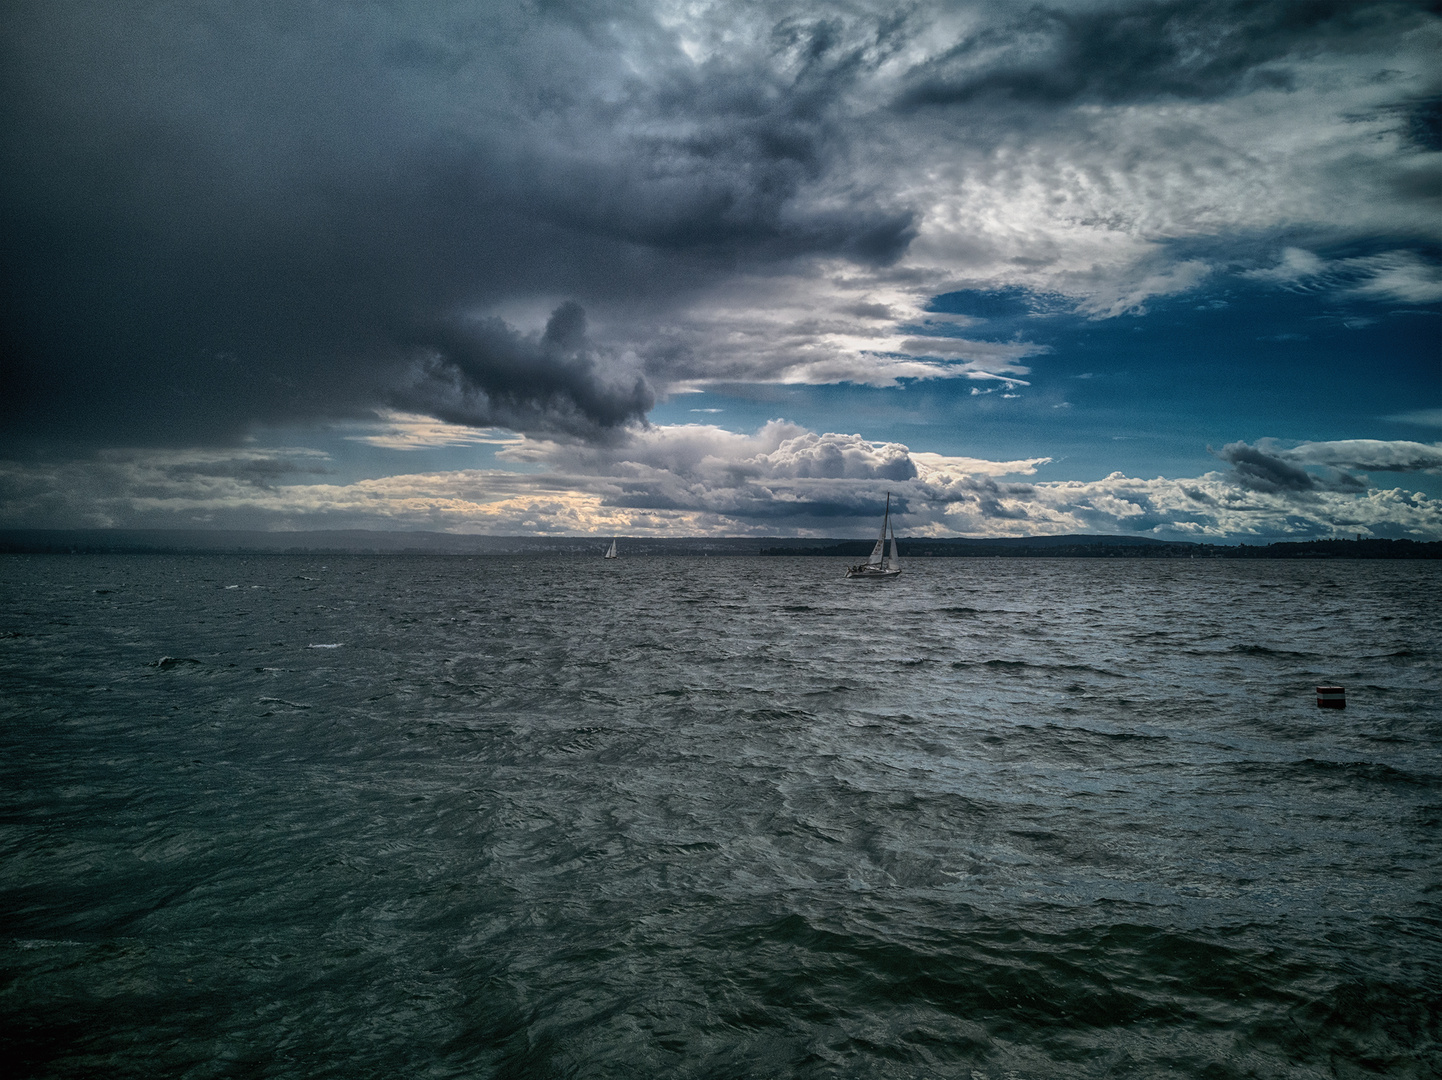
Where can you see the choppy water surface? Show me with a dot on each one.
(530, 817)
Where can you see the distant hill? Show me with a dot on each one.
(352, 542)
(1008, 546)
(1117, 547)
(365, 542)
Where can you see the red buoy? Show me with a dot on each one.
(1331, 697)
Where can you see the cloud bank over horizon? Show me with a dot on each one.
(561, 220)
(703, 480)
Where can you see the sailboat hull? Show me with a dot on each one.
(871, 572)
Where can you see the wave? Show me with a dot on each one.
(1322, 770)
(1115, 736)
(1264, 650)
(1025, 665)
(1024, 986)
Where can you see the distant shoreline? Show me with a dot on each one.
(1073, 547)
(362, 542)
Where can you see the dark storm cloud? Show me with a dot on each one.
(1255, 468)
(1265, 472)
(1142, 51)
(486, 374)
(257, 470)
(217, 215)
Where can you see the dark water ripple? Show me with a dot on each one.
(718, 818)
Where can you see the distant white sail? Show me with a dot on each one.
(611, 552)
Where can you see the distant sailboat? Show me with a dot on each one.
(611, 552)
(881, 564)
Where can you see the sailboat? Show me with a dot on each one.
(611, 551)
(881, 564)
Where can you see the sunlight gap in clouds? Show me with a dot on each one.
(413, 431)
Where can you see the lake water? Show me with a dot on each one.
(718, 817)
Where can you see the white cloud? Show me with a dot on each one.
(1378, 455)
(1295, 265)
(1399, 276)
(822, 323)
(1396, 276)
(942, 470)
(1091, 202)
(1425, 417)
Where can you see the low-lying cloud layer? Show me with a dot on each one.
(698, 479)
(221, 215)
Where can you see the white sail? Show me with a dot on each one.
(611, 552)
(893, 560)
(878, 551)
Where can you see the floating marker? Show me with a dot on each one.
(1331, 697)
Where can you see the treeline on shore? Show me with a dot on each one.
(1079, 547)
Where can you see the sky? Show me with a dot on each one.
(688, 268)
